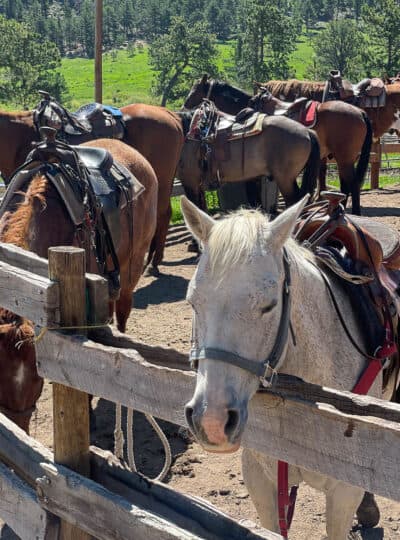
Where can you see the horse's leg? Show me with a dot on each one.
(349, 186)
(322, 176)
(368, 514)
(198, 197)
(123, 308)
(342, 501)
(289, 189)
(158, 242)
(262, 489)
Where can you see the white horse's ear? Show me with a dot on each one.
(282, 227)
(198, 222)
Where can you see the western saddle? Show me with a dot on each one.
(94, 189)
(366, 93)
(215, 129)
(297, 110)
(91, 121)
(365, 255)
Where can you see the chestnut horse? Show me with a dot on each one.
(154, 131)
(344, 132)
(381, 117)
(40, 220)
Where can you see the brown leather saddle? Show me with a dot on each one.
(370, 92)
(365, 255)
(297, 110)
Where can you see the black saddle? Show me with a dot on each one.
(93, 188)
(91, 121)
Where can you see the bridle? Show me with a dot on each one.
(267, 369)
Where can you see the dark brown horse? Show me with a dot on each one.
(40, 220)
(381, 118)
(154, 131)
(344, 131)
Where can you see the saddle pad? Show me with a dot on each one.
(308, 116)
(252, 126)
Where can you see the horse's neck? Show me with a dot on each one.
(39, 222)
(238, 99)
(17, 132)
(322, 354)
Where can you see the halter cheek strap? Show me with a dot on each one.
(261, 370)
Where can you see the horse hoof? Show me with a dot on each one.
(152, 271)
(368, 514)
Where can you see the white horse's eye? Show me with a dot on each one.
(268, 308)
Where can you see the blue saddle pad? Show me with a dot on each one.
(113, 110)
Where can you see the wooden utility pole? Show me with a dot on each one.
(98, 44)
(70, 406)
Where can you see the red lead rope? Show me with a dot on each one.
(286, 501)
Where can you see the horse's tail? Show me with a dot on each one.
(363, 160)
(311, 170)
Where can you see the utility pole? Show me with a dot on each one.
(98, 61)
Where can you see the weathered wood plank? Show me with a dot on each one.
(355, 448)
(390, 148)
(71, 432)
(29, 295)
(99, 512)
(25, 453)
(96, 285)
(20, 510)
(193, 514)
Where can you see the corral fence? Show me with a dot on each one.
(350, 437)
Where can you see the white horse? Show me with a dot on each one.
(237, 296)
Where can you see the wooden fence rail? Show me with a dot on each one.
(128, 502)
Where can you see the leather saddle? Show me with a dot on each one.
(93, 187)
(369, 92)
(365, 255)
(91, 121)
(298, 110)
(215, 131)
(208, 123)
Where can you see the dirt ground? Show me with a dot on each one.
(162, 317)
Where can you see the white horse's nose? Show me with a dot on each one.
(216, 427)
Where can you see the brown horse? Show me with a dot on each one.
(344, 132)
(40, 220)
(381, 117)
(280, 151)
(154, 131)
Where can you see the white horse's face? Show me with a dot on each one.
(236, 294)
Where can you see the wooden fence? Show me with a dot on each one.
(353, 438)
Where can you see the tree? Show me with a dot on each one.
(382, 22)
(28, 63)
(266, 38)
(339, 46)
(180, 56)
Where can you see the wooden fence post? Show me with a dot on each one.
(70, 406)
(376, 156)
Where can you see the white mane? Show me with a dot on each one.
(235, 239)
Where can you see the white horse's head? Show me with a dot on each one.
(237, 294)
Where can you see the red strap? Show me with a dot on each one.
(362, 387)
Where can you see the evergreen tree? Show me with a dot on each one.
(180, 56)
(28, 63)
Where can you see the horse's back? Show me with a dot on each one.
(161, 116)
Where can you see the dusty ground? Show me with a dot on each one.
(161, 317)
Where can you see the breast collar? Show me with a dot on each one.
(266, 369)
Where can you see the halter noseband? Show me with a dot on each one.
(269, 365)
